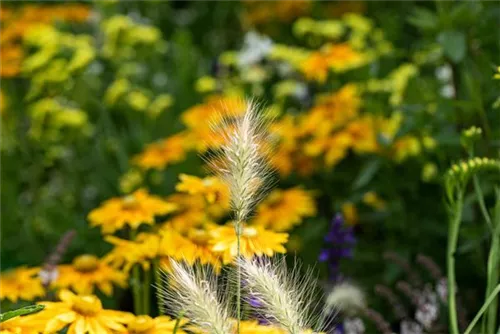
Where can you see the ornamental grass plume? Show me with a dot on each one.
(241, 162)
(284, 298)
(192, 291)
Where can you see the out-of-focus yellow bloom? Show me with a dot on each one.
(371, 198)
(21, 325)
(284, 209)
(405, 147)
(315, 67)
(131, 210)
(429, 143)
(85, 273)
(144, 324)
(83, 314)
(206, 84)
(342, 57)
(497, 75)
(263, 12)
(160, 104)
(254, 241)
(21, 283)
(138, 100)
(350, 213)
(3, 103)
(363, 135)
(49, 119)
(429, 172)
(123, 37)
(330, 29)
(191, 211)
(254, 327)
(163, 153)
(127, 253)
(212, 188)
(130, 181)
(116, 90)
(20, 21)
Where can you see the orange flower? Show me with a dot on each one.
(132, 210)
(315, 67)
(163, 153)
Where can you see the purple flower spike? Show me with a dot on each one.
(340, 241)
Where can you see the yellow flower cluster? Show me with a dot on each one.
(16, 22)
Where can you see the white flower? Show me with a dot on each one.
(254, 49)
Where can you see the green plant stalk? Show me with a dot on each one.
(490, 318)
(146, 289)
(178, 322)
(453, 229)
(136, 290)
(238, 277)
(136, 282)
(483, 309)
(20, 311)
(158, 284)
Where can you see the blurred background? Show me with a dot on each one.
(87, 86)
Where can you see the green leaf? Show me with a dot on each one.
(453, 44)
(366, 174)
(465, 13)
(21, 311)
(424, 19)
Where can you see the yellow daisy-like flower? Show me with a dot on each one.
(212, 188)
(21, 283)
(127, 253)
(284, 209)
(132, 210)
(192, 211)
(350, 213)
(255, 240)
(144, 324)
(315, 67)
(86, 272)
(193, 245)
(21, 325)
(83, 314)
(253, 327)
(163, 153)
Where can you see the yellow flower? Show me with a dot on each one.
(406, 147)
(21, 283)
(127, 253)
(350, 213)
(283, 209)
(83, 314)
(144, 324)
(253, 327)
(132, 210)
(21, 325)
(341, 57)
(315, 67)
(371, 198)
(192, 246)
(192, 211)
(212, 188)
(86, 272)
(255, 240)
(163, 153)
(363, 135)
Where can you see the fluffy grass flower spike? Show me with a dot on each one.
(284, 298)
(241, 164)
(193, 291)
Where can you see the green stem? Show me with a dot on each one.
(480, 200)
(136, 281)
(238, 277)
(453, 230)
(490, 318)
(158, 284)
(146, 291)
(483, 309)
(136, 289)
(178, 322)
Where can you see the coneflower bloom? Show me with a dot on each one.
(81, 314)
(21, 283)
(132, 210)
(144, 324)
(87, 272)
(254, 241)
(340, 241)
